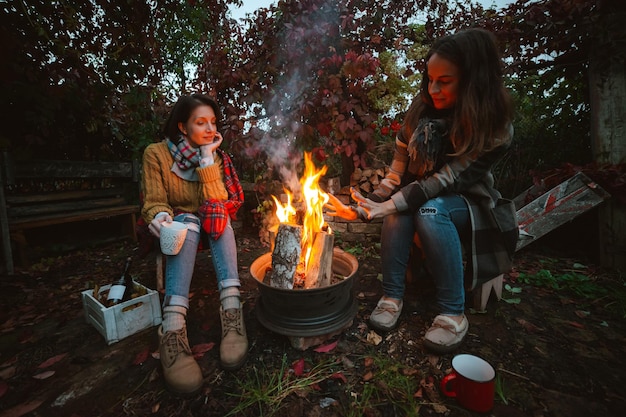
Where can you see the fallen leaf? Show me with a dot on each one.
(155, 408)
(4, 387)
(576, 324)
(374, 338)
(529, 327)
(141, 357)
(7, 373)
(326, 348)
(409, 371)
(22, 409)
(44, 375)
(52, 360)
(200, 349)
(11, 361)
(369, 361)
(582, 314)
(340, 376)
(298, 367)
(368, 376)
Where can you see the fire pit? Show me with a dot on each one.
(307, 312)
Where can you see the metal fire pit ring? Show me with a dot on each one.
(310, 312)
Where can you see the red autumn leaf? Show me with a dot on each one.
(141, 357)
(52, 360)
(44, 375)
(576, 324)
(529, 327)
(298, 367)
(200, 349)
(340, 376)
(326, 348)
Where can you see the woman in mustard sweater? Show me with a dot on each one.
(187, 178)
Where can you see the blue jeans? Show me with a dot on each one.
(179, 268)
(440, 224)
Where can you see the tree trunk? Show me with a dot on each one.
(608, 138)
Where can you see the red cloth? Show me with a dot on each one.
(214, 213)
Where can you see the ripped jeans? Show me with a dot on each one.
(440, 224)
(179, 268)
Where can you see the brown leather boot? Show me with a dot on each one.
(181, 371)
(234, 346)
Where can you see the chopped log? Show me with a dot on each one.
(366, 187)
(320, 272)
(286, 255)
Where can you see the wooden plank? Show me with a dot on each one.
(48, 197)
(558, 206)
(95, 214)
(320, 271)
(69, 207)
(72, 169)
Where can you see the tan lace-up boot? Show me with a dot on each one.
(181, 371)
(234, 346)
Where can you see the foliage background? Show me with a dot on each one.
(94, 80)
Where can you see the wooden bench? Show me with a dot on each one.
(38, 194)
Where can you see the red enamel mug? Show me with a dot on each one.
(471, 383)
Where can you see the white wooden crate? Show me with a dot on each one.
(124, 319)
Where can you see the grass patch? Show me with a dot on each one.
(578, 283)
(264, 391)
(388, 386)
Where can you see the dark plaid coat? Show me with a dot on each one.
(494, 224)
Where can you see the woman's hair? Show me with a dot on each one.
(181, 112)
(483, 110)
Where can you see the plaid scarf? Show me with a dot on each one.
(184, 155)
(214, 213)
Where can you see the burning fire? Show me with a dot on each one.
(314, 200)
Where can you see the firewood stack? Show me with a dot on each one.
(363, 180)
(367, 180)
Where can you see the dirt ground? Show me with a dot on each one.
(556, 352)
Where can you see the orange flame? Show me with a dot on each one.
(314, 200)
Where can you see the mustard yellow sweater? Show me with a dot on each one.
(165, 191)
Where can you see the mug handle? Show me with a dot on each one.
(448, 380)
